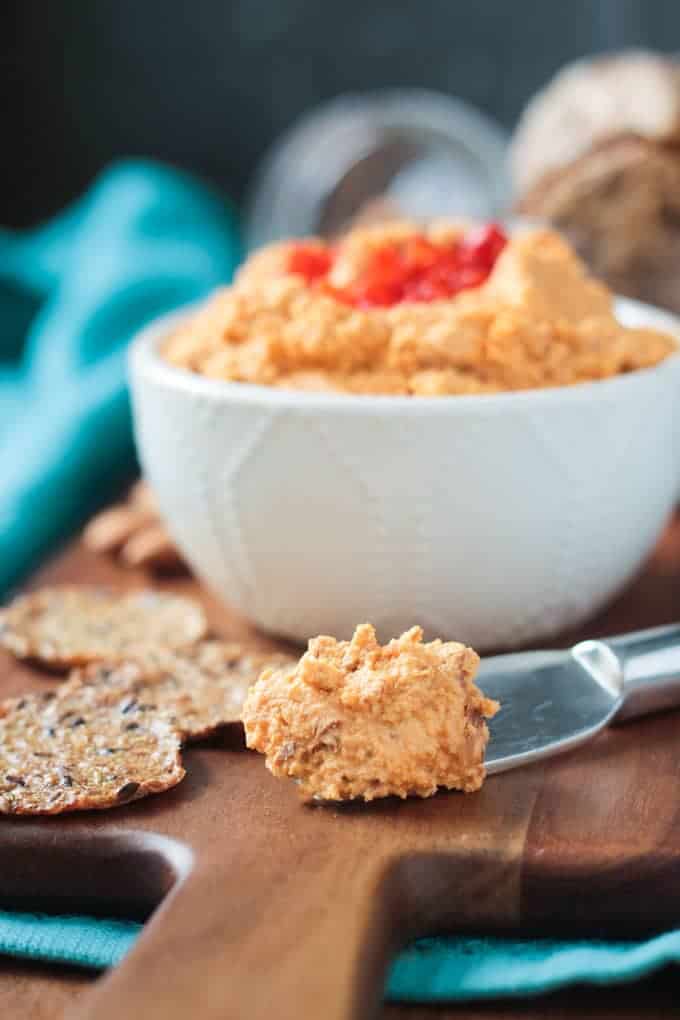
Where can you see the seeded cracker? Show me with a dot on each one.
(75, 750)
(196, 691)
(64, 627)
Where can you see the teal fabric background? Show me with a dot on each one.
(72, 293)
(431, 970)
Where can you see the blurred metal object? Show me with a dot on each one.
(421, 153)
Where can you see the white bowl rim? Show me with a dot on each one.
(144, 358)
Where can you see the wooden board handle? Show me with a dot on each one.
(294, 911)
(309, 946)
(261, 938)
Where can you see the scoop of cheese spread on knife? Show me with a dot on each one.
(354, 719)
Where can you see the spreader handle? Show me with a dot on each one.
(650, 667)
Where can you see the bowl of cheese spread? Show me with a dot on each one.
(442, 424)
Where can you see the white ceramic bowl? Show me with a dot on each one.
(496, 520)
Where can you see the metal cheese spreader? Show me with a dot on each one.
(552, 701)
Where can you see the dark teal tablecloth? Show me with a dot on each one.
(72, 294)
(432, 970)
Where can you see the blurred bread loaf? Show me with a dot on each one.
(597, 154)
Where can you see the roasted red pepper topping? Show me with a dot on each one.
(414, 269)
(311, 261)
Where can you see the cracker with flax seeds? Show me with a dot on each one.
(196, 690)
(76, 749)
(72, 626)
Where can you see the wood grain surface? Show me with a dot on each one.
(263, 906)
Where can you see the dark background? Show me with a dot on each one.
(207, 84)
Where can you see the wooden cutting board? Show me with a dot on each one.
(262, 905)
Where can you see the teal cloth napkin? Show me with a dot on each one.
(431, 970)
(145, 239)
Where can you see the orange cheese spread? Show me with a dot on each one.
(355, 719)
(402, 309)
